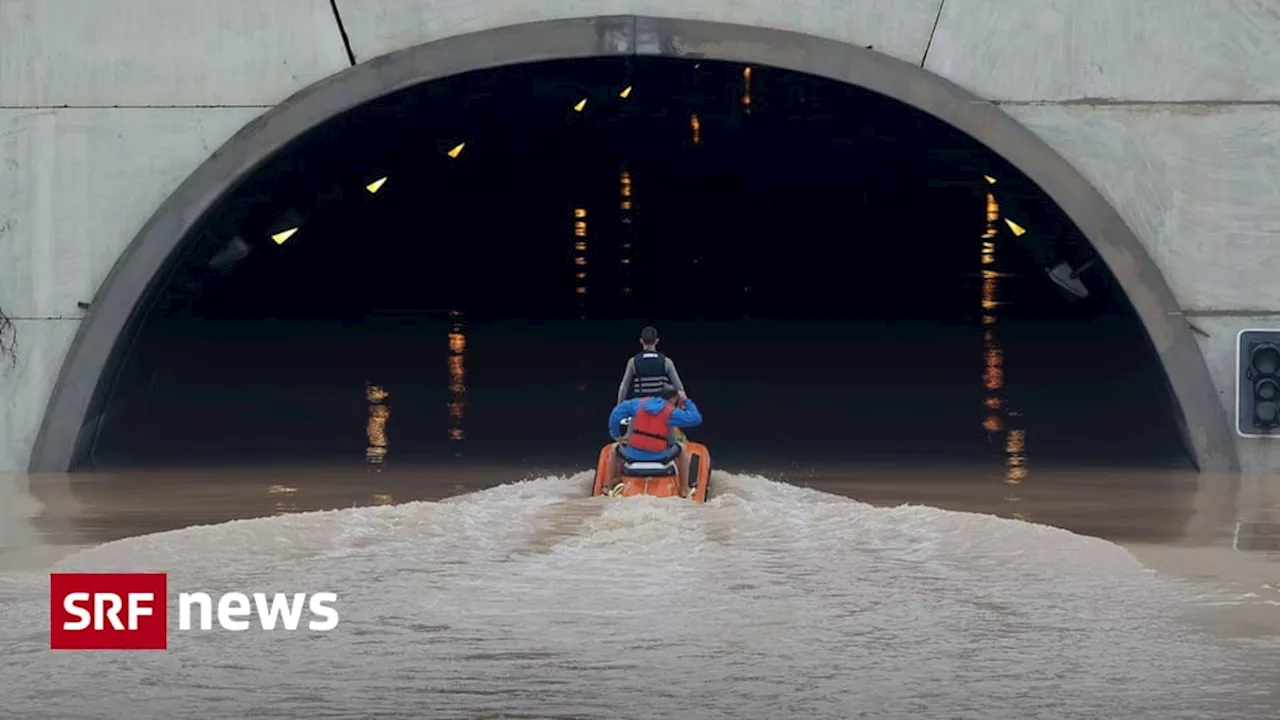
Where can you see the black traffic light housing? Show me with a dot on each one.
(1258, 383)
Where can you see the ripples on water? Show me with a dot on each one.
(529, 600)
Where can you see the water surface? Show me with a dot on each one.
(773, 600)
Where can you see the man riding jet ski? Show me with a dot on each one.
(649, 455)
(652, 432)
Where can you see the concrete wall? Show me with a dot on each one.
(105, 107)
(1170, 107)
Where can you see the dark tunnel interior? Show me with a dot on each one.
(836, 275)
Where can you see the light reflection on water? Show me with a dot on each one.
(457, 377)
(376, 427)
(1000, 418)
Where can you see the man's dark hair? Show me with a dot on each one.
(649, 335)
(668, 391)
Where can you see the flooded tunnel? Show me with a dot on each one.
(458, 273)
(425, 303)
(370, 343)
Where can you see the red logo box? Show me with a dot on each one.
(108, 611)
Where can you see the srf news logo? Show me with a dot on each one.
(130, 611)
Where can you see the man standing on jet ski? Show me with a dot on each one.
(655, 418)
(649, 370)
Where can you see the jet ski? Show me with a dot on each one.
(686, 475)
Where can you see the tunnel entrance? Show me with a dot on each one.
(459, 269)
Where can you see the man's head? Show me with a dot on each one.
(668, 392)
(649, 337)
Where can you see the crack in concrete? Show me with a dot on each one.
(1211, 312)
(934, 31)
(342, 30)
(36, 108)
(1120, 102)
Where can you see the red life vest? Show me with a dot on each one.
(651, 432)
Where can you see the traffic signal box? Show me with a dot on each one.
(1258, 383)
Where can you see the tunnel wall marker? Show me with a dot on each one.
(79, 393)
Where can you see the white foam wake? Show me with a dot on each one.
(532, 598)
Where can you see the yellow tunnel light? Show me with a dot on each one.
(1018, 230)
(626, 93)
(990, 180)
(457, 150)
(376, 185)
(581, 104)
(284, 235)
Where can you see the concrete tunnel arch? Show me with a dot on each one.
(85, 376)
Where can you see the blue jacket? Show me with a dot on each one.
(688, 416)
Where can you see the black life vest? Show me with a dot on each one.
(650, 373)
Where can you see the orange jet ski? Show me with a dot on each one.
(686, 475)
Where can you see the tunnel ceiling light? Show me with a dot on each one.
(1067, 278)
(457, 150)
(990, 180)
(376, 185)
(581, 105)
(626, 93)
(1018, 230)
(234, 251)
(284, 235)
